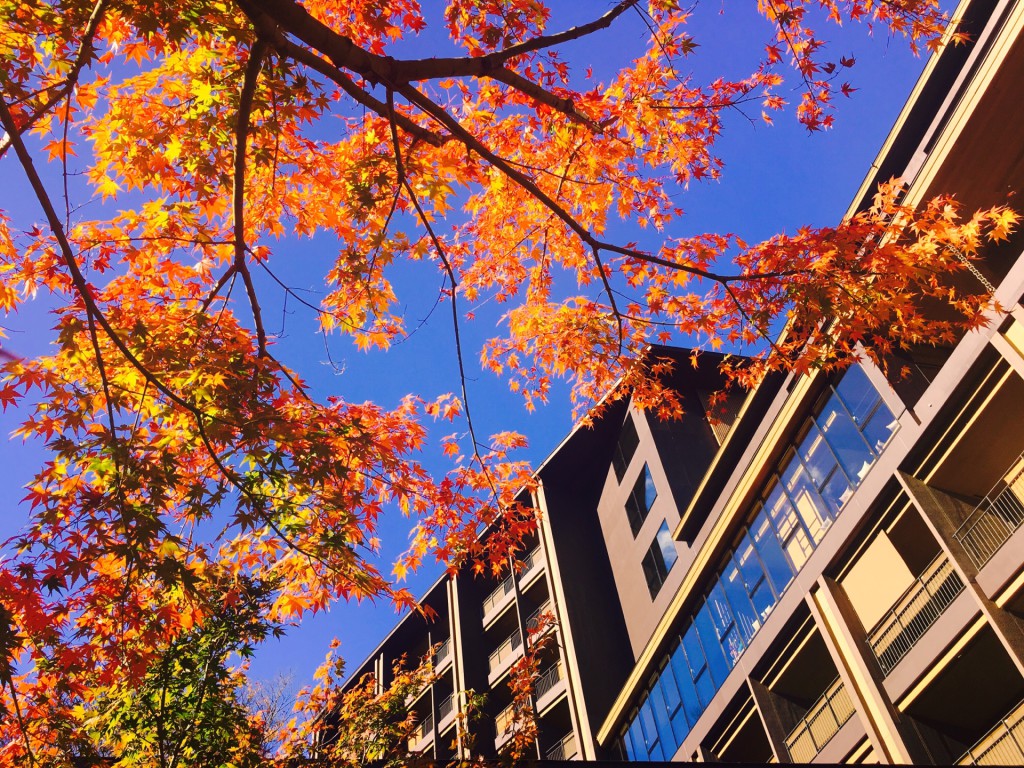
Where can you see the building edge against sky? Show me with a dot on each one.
(835, 574)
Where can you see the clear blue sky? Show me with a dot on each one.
(776, 179)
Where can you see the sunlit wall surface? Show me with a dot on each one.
(832, 453)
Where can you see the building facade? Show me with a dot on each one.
(832, 573)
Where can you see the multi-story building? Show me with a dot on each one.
(834, 572)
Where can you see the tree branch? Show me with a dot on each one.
(295, 20)
(252, 73)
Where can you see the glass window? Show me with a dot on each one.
(658, 561)
(803, 494)
(879, 428)
(858, 395)
(640, 500)
(738, 595)
(661, 717)
(692, 708)
(842, 435)
(793, 536)
(769, 548)
(635, 738)
(713, 651)
(650, 730)
(822, 467)
(667, 680)
(625, 447)
(725, 624)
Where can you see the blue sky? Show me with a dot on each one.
(775, 179)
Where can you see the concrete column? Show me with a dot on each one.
(892, 736)
(775, 717)
(458, 673)
(943, 514)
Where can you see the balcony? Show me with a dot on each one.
(1003, 745)
(548, 682)
(503, 725)
(822, 721)
(443, 655)
(914, 612)
(423, 732)
(501, 657)
(497, 598)
(534, 618)
(993, 521)
(565, 749)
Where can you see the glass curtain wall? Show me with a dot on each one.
(831, 455)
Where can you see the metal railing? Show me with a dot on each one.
(532, 619)
(424, 729)
(564, 749)
(506, 586)
(446, 707)
(995, 519)
(916, 610)
(504, 651)
(508, 583)
(822, 721)
(443, 651)
(548, 680)
(1003, 745)
(503, 722)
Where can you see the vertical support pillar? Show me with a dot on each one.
(775, 718)
(891, 735)
(458, 674)
(943, 514)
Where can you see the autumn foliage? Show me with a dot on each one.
(197, 496)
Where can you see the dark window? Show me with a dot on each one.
(640, 500)
(625, 448)
(660, 558)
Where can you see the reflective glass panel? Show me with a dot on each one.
(843, 436)
(879, 428)
(756, 585)
(691, 703)
(768, 547)
(739, 600)
(713, 651)
(803, 493)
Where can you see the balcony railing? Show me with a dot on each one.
(443, 652)
(533, 619)
(822, 721)
(423, 730)
(564, 749)
(1003, 745)
(504, 651)
(495, 597)
(913, 614)
(508, 583)
(548, 680)
(445, 708)
(993, 521)
(503, 722)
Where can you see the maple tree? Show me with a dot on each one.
(197, 496)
